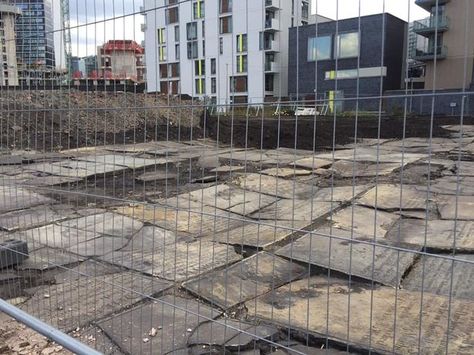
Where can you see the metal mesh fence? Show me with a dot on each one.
(238, 177)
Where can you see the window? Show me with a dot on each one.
(238, 84)
(241, 64)
(191, 31)
(162, 53)
(203, 29)
(173, 70)
(347, 45)
(192, 50)
(319, 48)
(172, 15)
(241, 43)
(176, 51)
(200, 67)
(269, 82)
(176, 33)
(200, 86)
(198, 9)
(163, 71)
(225, 6)
(225, 24)
(161, 36)
(213, 85)
(213, 66)
(203, 48)
(221, 45)
(304, 10)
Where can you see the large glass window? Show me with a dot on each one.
(192, 49)
(198, 9)
(226, 24)
(191, 30)
(319, 48)
(347, 45)
(241, 43)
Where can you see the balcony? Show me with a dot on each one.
(272, 5)
(143, 27)
(272, 25)
(428, 4)
(271, 67)
(425, 55)
(431, 25)
(271, 46)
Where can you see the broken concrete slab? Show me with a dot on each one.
(47, 258)
(363, 220)
(95, 338)
(312, 163)
(99, 246)
(175, 262)
(295, 210)
(227, 169)
(258, 235)
(173, 317)
(86, 269)
(231, 334)
(349, 169)
(371, 262)
(151, 237)
(465, 168)
(245, 280)
(156, 176)
(108, 223)
(456, 207)
(17, 198)
(304, 305)
(199, 220)
(444, 277)
(450, 185)
(230, 198)
(274, 186)
(128, 161)
(339, 193)
(285, 172)
(74, 169)
(371, 154)
(437, 234)
(72, 304)
(29, 218)
(395, 197)
(11, 159)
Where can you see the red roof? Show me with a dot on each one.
(122, 45)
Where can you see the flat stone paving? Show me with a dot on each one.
(256, 237)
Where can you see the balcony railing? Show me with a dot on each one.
(272, 25)
(272, 4)
(431, 24)
(429, 54)
(270, 67)
(428, 4)
(271, 46)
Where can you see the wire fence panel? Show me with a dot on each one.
(237, 177)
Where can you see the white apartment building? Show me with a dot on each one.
(228, 51)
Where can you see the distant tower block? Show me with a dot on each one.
(9, 68)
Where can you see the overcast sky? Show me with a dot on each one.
(96, 23)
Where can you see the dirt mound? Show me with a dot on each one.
(52, 120)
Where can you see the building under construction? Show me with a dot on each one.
(121, 59)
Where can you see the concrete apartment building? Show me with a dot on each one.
(121, 59)
(348, 62)
(228, 51)
(451, 22)
(9, 69)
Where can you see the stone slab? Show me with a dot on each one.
(449, 185)
(438, 234)
(339, 193)
(363, 220)
(348, 169)
(73, 304)
(131, 162)
(16, 198)
(11, 159)
(228, 169)
(156, 176)
(259, 235)
(173, 317)
(465, 168)
(29, 218)
(395, 197)
(230, 198)
(47, 258)
(55, 236)
(199, 220)
(98, 246)
(304, 305)
(230, 333)
(435, 274)
(176, 262)
(245, 280)
(370, 262)
(312, 163)
(452, 207)
(274, 186)
(151, 237)
(74, 169)
(86, 269)
(370, 154)
(295, 210)
(95, 338)
(285, 172)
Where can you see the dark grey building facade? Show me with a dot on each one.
(348, 62)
